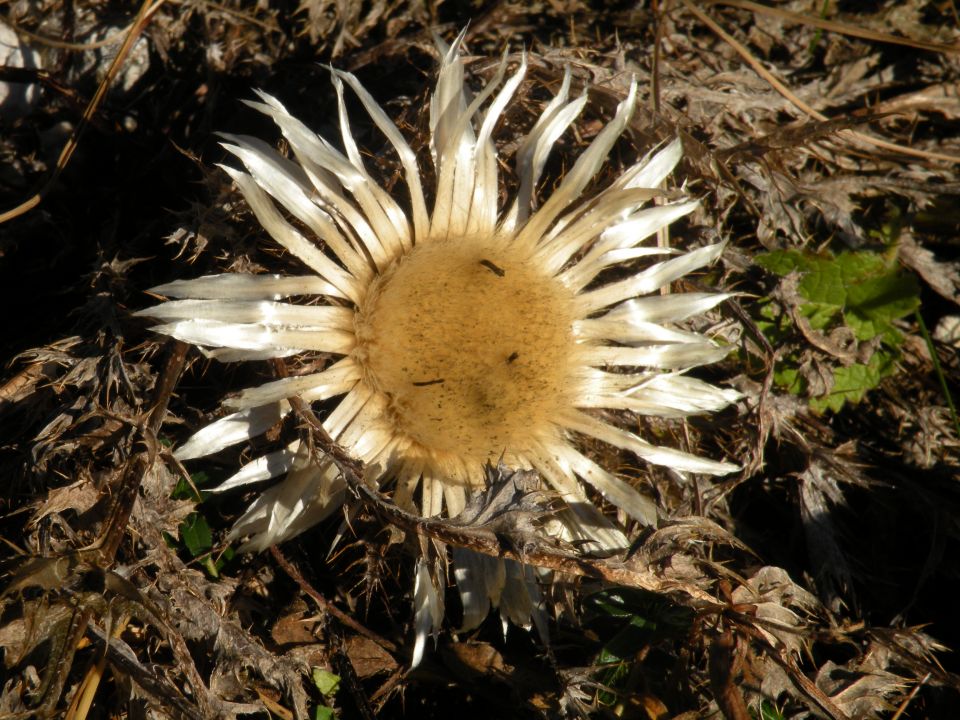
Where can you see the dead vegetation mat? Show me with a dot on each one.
(824, 139)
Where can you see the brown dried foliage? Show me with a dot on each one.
(814, 580)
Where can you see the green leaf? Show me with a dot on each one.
(324, 713)
(788, 377)
(773, 322)
(768, 711)
(626, 643)
(820, 315)
(634, 617)
(824, 284)
(863, 286)
(185, 490)
(327, 683)
(851, 383)
(855, 266)
(863, 290)
(872, 305)
(781, 262)
(625, 602)
(196, 535)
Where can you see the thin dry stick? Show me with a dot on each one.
(136, 29)
(800, 104)
(83, 699)
(909, 698)
(291, 570)
(111, 39)
(238, 14)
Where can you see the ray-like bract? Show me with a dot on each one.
(452, 336)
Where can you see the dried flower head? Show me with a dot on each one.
(464, 335)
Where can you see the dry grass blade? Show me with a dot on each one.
(147, 9)
(82, 701)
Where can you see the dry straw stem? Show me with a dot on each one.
(800, 104)
(147, 11)
(83, 698)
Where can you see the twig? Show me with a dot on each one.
(291, 570)
(909, 698)
(147, 11)
(726, 664)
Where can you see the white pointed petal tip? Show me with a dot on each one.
(428, 610)
(231, 430)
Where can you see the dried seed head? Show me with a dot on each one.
(472, 346)
(462, 333)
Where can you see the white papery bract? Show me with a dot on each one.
(462, 335)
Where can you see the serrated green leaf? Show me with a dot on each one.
(768, 310)
(863, 286)
(856, 266)
(865, 291)
(195, 534)
(820, 315)
(774, 323)
(852, 382)
(788, 377)
(326, 682)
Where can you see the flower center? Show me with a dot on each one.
(471, 345)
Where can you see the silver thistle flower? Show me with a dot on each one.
(464, 335)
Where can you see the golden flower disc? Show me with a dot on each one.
(471, 345)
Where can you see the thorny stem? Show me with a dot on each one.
(101, 554)
(487, 542)
(481, 539)
(105, 547)
(344, 665)
(909, 698)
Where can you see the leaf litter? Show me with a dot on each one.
(824, 144)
